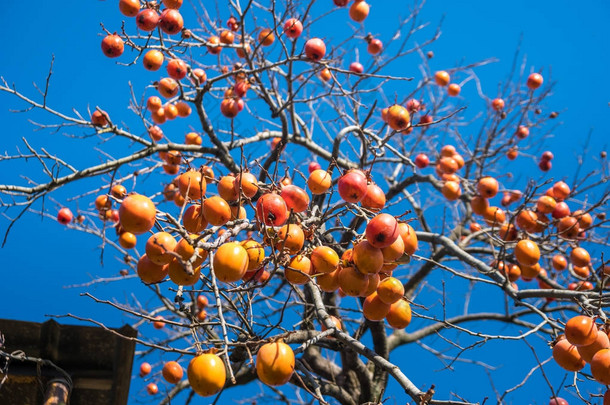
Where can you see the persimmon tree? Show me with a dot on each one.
(325, 212)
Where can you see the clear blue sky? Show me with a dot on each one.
(568, 41)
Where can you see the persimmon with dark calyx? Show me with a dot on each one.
(352, 186)
(568, 228)
(382, 231)
(137, 214)
(229, 107)
(398, 117)
(488, 187)
(113, 46)
(171, 21)
(448, 165)
(206, 374)
(64, 216)
(275, 363)
(153, 60)
(168, 87)
(315, 49)
(272, 210)
(422, 161)
(147, 19)
(293, 28)
(129, 8)
(177, 69)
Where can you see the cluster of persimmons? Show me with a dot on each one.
(283, 231)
